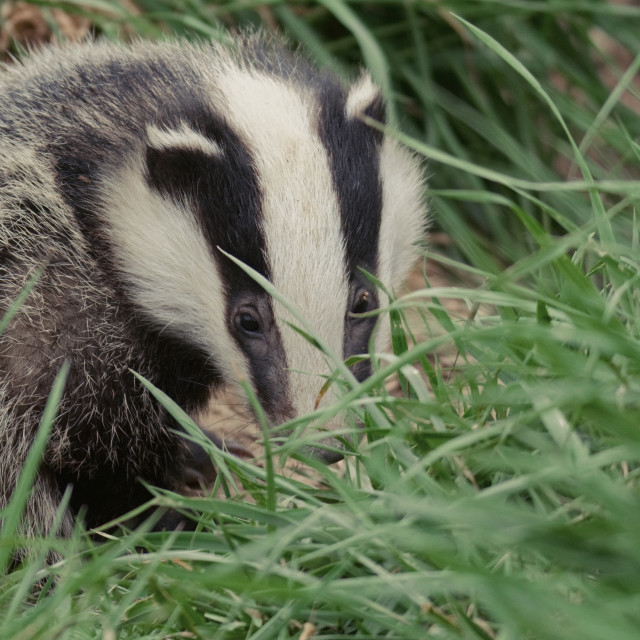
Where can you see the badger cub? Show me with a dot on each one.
(127, 173)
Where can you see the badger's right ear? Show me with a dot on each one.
(175, 157)
(365, 99)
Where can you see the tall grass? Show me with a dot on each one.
(498, 499)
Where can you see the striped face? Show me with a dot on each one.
(292, 182)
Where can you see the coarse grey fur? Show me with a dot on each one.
(122, 170)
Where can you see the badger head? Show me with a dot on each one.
(281, 171)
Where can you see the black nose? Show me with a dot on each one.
(327, 456)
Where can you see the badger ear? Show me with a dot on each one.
(365, 99)
(175, 158)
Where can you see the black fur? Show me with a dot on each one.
(354, 153)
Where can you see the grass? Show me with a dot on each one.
(500, 500)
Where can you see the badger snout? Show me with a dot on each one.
(329, 455)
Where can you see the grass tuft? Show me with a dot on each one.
(495, 495)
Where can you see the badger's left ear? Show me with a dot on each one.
(176, 157)
(365, 99)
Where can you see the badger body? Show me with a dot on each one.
(128, 175)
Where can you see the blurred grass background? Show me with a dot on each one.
(497, 497)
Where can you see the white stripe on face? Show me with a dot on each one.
(301, 219)
(168, 268)
(403, 220)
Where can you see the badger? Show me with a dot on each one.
(133, 178)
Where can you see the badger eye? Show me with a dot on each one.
(248, 323)
(361, 304)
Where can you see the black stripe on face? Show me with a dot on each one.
(354, 155)
(225, 194)
(223, 190)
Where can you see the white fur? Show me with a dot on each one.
(403, 219)
(301, 220)
(184, 137)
